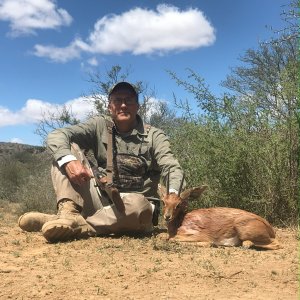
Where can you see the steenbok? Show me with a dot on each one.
(218, 226)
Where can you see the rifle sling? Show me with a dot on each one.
(109, 152)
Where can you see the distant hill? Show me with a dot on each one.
(14, 148)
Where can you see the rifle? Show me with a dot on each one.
(112, 193)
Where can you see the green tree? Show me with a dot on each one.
(151, 110)
(244, 143)
(52, 120)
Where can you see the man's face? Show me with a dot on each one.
(123, 106)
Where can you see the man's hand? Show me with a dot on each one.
(77, 173)
(102, 182)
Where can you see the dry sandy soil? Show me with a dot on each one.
(140, 268)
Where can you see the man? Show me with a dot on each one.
(130, 159)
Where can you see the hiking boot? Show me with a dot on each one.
(68, 226)
(34, 221)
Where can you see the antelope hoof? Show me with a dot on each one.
(247, 244)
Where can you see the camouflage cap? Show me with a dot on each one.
(123, 85)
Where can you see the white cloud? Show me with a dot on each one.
(153, 106)
(26, 16)
(59, 54)
(139, 31)
(17, 140)
(34, 110)
(93, 62)
(81, 107)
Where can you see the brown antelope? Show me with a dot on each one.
(218, 226)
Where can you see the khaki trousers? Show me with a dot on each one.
(137, 216)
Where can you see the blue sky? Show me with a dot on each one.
(48, 48)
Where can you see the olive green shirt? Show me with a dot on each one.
(92, 135)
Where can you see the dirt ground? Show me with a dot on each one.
(140, 268)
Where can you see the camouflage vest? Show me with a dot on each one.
(128, 170)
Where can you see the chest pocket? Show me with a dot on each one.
(129, 172)
(130, 169)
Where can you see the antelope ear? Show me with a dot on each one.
(194, 192)
(162, 191)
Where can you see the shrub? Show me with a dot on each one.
(25, 179)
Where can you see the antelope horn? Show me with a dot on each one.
(180, 187)
(168, 182)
